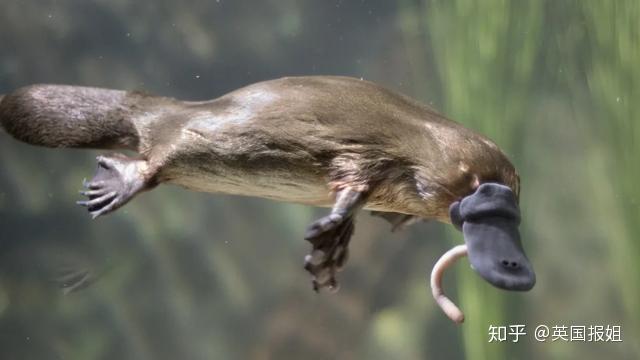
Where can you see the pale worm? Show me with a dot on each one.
(445, 261)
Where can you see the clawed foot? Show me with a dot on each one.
(330, 239)
(117, 180)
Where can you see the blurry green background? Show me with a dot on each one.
(201, 276)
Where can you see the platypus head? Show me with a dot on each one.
(489, 220)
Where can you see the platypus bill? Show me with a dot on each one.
(326, 141)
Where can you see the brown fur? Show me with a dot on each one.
(295, 139)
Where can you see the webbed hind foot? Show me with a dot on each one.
(117, 180)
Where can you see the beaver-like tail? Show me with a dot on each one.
(70, 116)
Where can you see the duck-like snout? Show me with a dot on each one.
(489, 220)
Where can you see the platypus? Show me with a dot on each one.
(327, 141)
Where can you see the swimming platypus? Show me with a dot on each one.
(326, 141)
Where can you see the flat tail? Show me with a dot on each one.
(61, 116)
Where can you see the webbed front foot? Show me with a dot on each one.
(117, 180)
(330, 238)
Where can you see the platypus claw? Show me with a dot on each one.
(116, 181)
(323, 225)
(330, 237)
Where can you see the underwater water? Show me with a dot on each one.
(185, 275)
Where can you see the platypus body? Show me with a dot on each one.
(325, 141)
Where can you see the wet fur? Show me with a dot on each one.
(297, 139)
